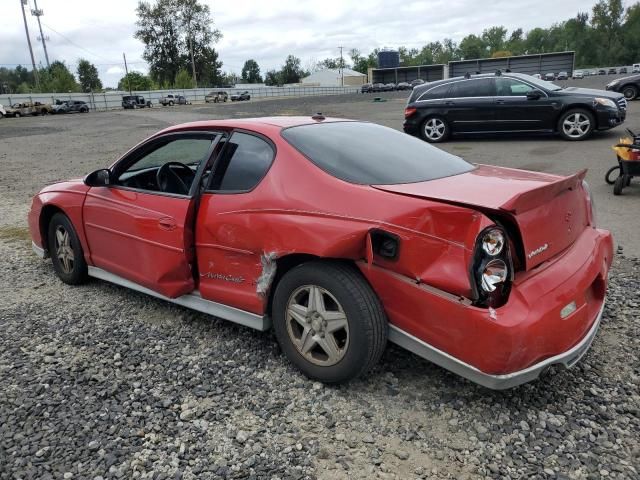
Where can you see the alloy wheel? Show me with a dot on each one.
(64, 250)
(434, 129)
(317, 325)
(576, 125)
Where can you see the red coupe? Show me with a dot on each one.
(343, 235)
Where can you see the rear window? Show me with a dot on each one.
(369, 154)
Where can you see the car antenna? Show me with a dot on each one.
(498, 72)
(318, 116)
(467, 75)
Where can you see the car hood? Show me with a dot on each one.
(630, 78)
(589, 92)
(550, 211)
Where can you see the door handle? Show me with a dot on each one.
(500, 102)
(449, 102)
(167, 223)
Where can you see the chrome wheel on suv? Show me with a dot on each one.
(434, 130)
(576, 125)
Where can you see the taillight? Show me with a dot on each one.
(492, 268)
(409, 111)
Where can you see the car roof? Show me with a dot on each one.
(430, 85)
(280, 122)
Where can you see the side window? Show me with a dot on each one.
(184, 154)
(481, 87)
(436, 92)
(242, 164)
(510, 87)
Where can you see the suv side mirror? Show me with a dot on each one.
(99, 178)
(533, 95)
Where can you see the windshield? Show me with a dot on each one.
(544, 84)
(370, 154)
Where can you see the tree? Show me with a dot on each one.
(251, 72)
(473, 46)
(177, 34)
(57, 78)
(135, 81)
(291, 71)
(272, 78)
(183, 79)
(88, 76)
(494, 38)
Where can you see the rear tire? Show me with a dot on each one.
(66, 251)
(630, 92)
(434, 129)
(328, 321)
(607, 177)
(576, 124)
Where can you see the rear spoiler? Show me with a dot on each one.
(537, 196)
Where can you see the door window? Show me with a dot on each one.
(436, 92)
(510, 87)
(244, 161)
(170, 167)
(481, 87)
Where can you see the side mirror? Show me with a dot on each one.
(533, 95)
(99, 178)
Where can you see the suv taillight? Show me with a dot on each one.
(409, 111)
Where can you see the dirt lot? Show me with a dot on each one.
(98, 382)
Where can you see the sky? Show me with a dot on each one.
(267, 31)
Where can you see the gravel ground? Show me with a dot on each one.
(100, 382)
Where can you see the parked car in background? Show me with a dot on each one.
(514, 257)
(550, 76)
(377, 87)
(416, 82)
(636, 68)
(602, 71)
(628, 86)
(240, 96)
(366, 88)
(172, 100)
(578, 74)
(562, 76)
(623, 70)
(3, 112)
(389, 87)
(509, 102)
(612, 71)
(216, 97)
(537, 75)
(71, 106)
(135, 101)
(403, 86)
(24, 109)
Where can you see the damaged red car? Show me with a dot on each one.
(343, 235)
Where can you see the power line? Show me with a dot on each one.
(73, 43)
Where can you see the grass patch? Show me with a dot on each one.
(15, 234)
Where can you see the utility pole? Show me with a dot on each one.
(341, 67)
(26, 29)
(38, 13)
(126, 70)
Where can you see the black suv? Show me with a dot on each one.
(628, 86)
(509, 102)
(135, 101)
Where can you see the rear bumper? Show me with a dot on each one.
(550, 318)
(495, 382)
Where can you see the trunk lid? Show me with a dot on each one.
(550, 211)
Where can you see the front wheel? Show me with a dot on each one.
(435, 130)
(328, 321)
(608, 176)
(619, 185)
(576, 125)
(66, 251)
(171, 104)
(630, 92)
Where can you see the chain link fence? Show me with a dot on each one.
(113, 100)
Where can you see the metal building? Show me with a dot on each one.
(530, 64)
(428, 73)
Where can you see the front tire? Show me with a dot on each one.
(576, 125)
(630, 92)
(434, 130)
(66, 251)
(328, 321)
(171, 104)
